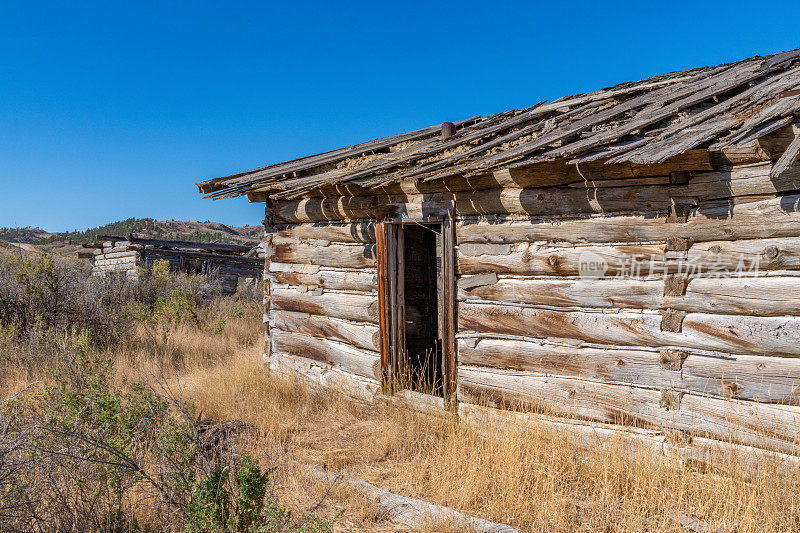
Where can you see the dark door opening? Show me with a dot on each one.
(416, 306)
(422, 364)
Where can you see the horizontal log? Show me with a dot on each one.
(775, 427)
(324, 375)
(116, 246)
(219, 259)
(335, 255)
(347, 306)
(722, 184)
(536, 259)
(466, 283)
(247, 272)
(707, 258)
(776, 217)
(764, 296)
(539, 174)
(562, 201)
(117, 261)
(116, 268)
(347, 233)
(748, 377)
(296, 268)
(330, 208)
(215, 247)
(470, 249)
(604, 293)
(120, 251)
(771, 296)
(349, 358)
(360, 335)
(716, 455)
(408, 199)
(361, 280)
(721, 333)
(626, 182)
(551, 201)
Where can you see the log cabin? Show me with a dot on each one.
(624, 261)
(227, 264)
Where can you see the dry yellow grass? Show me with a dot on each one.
(531, 478)
(527, 478)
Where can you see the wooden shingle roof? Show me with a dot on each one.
(645, 122)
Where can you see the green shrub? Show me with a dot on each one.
(100, 447)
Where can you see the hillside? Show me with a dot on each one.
(66, 243)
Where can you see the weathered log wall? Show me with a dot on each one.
(324, 302)
(666, 302)
(684, 315)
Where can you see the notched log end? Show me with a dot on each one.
(679, 213)
(672, 359)
(676, 284)
(677, 244)
(670, 400)
(672, 320)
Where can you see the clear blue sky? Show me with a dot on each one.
(111, 110)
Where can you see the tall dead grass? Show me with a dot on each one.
(532, 478)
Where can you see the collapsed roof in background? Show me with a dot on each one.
(139, 243)
(645, 122)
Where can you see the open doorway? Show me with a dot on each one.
(416, 297)
(422, 363)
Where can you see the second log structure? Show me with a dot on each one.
(221, 262)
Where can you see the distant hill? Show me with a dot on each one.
(26, 235)
(143, 227)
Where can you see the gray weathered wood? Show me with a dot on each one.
(347, 306)
(747, 377)
(723, 333)
(788, 159)
(360, 335)
(347, 233)
(361, 280)
(334, 255)
(778, 217)
(756, 296)
(356, 360)
(770, 426)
